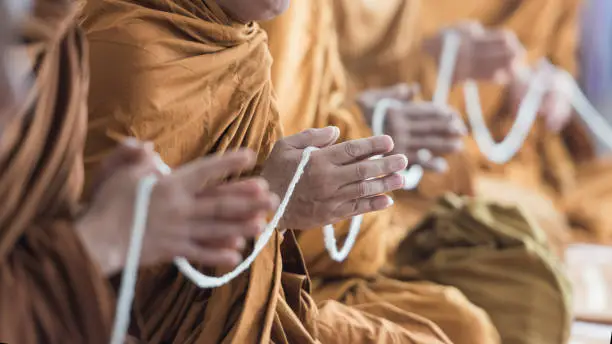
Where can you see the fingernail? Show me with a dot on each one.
(336, 130)
(399, 163)
(237, 259)
(390, 202)
(441, 165)
(240, 243)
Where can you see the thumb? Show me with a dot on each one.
(319, 138)
(128, 152)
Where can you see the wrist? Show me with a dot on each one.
(106, 256)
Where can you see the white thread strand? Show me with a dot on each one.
(448, 61)
(502, 152)
(351, 238)
(130, 272)
(528, 110)
(413, 175)
(591, 117)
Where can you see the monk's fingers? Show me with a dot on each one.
(231, 207)
(317, 137)
(416, 111)
(363, 206)
(207, 256)
(372, 168)
(129, 151)
(356, 150)
(251, 186)
(372, 187)
(205, 171)
(222, 230)
(440, 127)
(436, 145)
(231, 242)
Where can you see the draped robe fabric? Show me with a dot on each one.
(184, 75)
(51, 292)
(318, 97)
(499, 259)
(310, 83)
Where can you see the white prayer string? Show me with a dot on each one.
(528, 109)
(498, 152)
(143, 198)
(129, 275)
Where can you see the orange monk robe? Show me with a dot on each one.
(311, 90)
(51, 292)
(184, 75)
(544, 174)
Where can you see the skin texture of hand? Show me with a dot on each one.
(417, 125)
(484, 55)
(254, 10)
(190, 213)
(556, 108)
(340, 181)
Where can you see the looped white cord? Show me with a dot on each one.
(143, 198)
(128, 278)
(528, 110)
(413, 175)
(591, 117)
(502, 152)
(330, 239)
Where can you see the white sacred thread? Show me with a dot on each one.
(498, 152)
(129, 275)
(143, 198)
(528, 109)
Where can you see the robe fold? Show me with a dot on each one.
(496, 256)
(310, 83)
(51, 292)
(544, 174)
(185, 76)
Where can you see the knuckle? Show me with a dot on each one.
(361, 171)
(352, 149)
(363, 189)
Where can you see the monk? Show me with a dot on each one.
(57, 254)
(193, 77)
(310, 83)
(554, 173)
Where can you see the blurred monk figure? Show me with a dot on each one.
(465, 244)
(554, 174)
(193, 77)
(56, 254)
